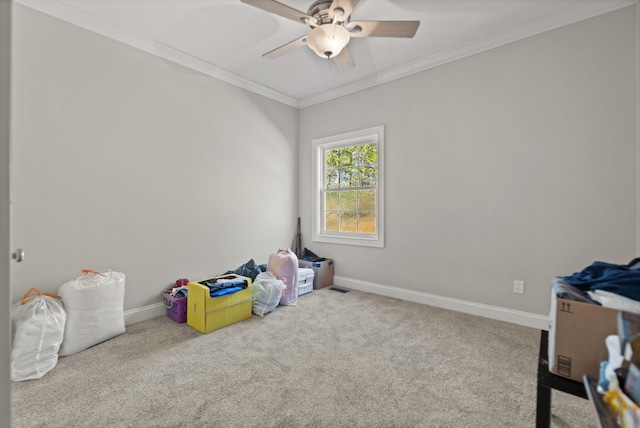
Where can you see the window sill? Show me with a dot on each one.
(350, 240)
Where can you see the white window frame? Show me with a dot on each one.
(320, 145)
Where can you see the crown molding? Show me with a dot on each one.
(92, 23)
(545, 23)
(490, 41)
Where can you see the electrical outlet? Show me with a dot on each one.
(518, 287)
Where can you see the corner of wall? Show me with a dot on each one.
(637, 129)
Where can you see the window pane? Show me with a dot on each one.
(348, 200)
(366, 223)
(367, 155)
(345, 177)
(366, 200)
(332, 158)
(348, 222)
(346, 156)
(369, 176)
(331, 201)
(331, 221)
(333, 179)
(355, 177)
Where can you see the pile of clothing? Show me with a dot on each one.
(310, 256)
(225, 285)
(607, 284)
(180, 289)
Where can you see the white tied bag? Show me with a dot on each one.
(37, 329)
(266, 292)
(95, 309)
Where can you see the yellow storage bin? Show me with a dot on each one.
(206, 313)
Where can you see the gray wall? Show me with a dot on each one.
(125, 161)
(638, 127)
(5, 150)
(515, 163)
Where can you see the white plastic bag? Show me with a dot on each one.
(284, 264)
(37, 329)
(95, 309)
(266, 292)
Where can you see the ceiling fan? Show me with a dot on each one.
(332, 28)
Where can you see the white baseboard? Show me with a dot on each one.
(526, 319)
(144, 313)
(494, 312)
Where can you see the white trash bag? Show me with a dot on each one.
(266, 292)
(37, 329)
(95, 309)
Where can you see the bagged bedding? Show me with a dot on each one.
(94, 304)
(284, 264)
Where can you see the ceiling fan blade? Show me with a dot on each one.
(383, 28)
(347, 7)
(282, 9)
(285, 49)
(343, 60)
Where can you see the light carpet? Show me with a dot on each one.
(334, 360)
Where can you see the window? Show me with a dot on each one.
(348, 188)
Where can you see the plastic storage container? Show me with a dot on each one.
(305, 281)
(323, 271)
(176, 307)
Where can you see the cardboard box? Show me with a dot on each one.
(322, 271)
(206, 313)
(577, 333)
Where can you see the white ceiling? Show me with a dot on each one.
(227, 38)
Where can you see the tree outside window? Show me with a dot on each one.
(350, 189)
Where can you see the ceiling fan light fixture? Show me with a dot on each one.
(328, 40)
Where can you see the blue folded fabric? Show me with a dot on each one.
(225, 291)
